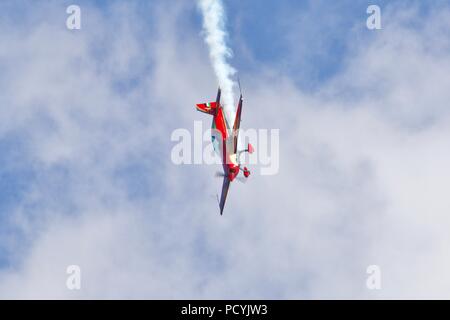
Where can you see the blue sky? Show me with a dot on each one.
(85, 168)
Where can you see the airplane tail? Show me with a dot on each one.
(211, 107)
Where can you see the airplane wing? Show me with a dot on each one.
(237, 124)
(223, 197)
(218, 96)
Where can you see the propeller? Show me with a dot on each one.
(239, 83)
(239, 178)
(219, 174)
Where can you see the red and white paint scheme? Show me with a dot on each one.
(225, 142)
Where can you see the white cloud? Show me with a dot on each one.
(362, 168)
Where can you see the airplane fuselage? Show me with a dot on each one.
(223, 143)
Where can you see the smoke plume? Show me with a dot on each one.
(215, 37)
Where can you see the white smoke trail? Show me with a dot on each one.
(215, 37)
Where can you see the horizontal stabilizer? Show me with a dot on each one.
(209, 108)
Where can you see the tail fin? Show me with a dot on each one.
(211, 107)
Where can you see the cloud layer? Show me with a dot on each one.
(85, 131)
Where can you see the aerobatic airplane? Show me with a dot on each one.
(225, 142)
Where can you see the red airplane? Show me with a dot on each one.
(225, 142)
